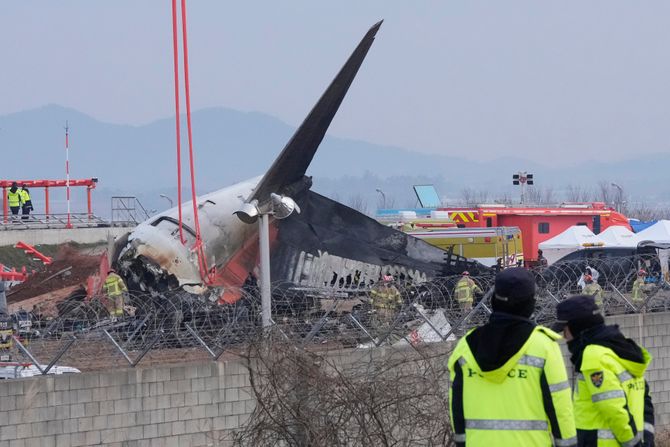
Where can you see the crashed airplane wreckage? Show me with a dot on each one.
(326, 245)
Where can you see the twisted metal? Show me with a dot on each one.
(178, 326)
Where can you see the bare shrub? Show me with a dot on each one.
(358, 202)
(471, 197)
(646, 212)
(577, 193)
(377, 397)
(540, 196)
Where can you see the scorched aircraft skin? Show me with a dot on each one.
(328, 244)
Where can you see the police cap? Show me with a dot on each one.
(578, 307)
(514, 285)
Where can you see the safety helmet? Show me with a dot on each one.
(642, 272)
(387, 278)
(588, 278)
(466, 273)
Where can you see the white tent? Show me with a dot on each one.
(570, 240)
(618, 236)
(659, 232)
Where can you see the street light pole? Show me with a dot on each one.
(264, 241)
(619, 197)
(280, 207)
(383, 197)
(168, 199)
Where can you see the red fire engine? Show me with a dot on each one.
(538, 224)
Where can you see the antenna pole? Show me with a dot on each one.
(67, 172)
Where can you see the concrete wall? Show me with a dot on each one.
(201, 402)
(653, 332)
(186, 405)
(53, 236)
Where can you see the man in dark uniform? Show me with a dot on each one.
(612, 401)
(509, 384)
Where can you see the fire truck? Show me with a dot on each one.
(538, 224)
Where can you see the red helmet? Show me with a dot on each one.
(642, 272)
(387, 278)
(588, 278)
(466, 273)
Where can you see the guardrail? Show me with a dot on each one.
(46, 221)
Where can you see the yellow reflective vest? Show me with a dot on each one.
(526, 402)
(465, 290)
(609, 398)
(114, 286)
(14, 198)
(596, 291)
(25, 196)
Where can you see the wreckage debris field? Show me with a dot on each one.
(75, 267)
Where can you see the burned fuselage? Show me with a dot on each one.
(329, 245)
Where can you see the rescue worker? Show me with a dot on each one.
(26, 203)
(249, 298)
(541, 260)
(639, 287)
(386, 300)
(14, 199)
(613, 406)
(117, 291)
(593, 288)
(509, 386)
(465, 291)
(588, 271)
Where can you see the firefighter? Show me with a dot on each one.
(593, 288)
(117, 291)
(465, 291)
(385, 299)
(611, 396)
(639, 287)
(14, 199)
(509, 386)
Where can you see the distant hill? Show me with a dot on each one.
(231, 146)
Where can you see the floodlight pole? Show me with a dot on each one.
(264, 242)
(67, 172)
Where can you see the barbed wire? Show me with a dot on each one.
(175, 326)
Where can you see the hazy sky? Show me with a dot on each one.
(550, 81)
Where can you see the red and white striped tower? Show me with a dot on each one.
(67, 172)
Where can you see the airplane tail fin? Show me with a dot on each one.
(295, 158)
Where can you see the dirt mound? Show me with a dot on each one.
(69, 268)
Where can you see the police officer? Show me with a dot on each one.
(465, 291)
(509, 386)
(611, 397)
